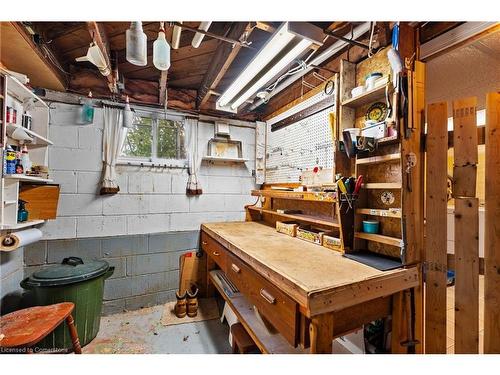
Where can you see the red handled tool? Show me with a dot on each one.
(359, 182)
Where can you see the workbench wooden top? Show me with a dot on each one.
(307, 271)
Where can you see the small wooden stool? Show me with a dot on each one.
(27, 327)
(242, 342)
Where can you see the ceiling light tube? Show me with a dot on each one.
(198, 37)
(176, 36)
(275, 69)
(275, 45)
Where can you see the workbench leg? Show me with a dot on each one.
(209, 288)
(398, 324)
(419, 316)
(321, 334)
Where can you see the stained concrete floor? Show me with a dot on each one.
(140, 332)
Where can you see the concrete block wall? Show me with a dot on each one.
(11, 274)
(150, 200)
(146, 266)
(142, 230)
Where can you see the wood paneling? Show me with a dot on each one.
(465, 145)
(492, 227)
(466, 276)
(436, 241)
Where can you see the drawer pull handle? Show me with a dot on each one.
(204, 242)
(267, 296)
(235, 268)
(216, 253)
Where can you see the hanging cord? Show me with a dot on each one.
(370, 44)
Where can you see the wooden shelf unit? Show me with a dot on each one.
(382, 169)
(17, 95)
(367, 97)
(393, 241)
(319, 209)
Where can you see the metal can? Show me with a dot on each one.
(8, 114)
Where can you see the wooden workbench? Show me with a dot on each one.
(333, 294)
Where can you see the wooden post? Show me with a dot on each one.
(435, 242)
(492, 227)
(398, 325)
(321, 334)
(466, 227)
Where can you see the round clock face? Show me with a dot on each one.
(387, 198)
(376, 112)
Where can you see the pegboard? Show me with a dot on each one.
(299, 146)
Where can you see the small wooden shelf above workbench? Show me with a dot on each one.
(393, 241)
(297, 195)
(378, 159)
(391, 212)
(367, 97)
(315, 220)
(382, 185)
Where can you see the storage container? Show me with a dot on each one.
(332, 243)
(377, 130)
(370, 226)
(71, 281)
(287, 227)
(310, 234)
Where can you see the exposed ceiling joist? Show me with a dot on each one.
(224, 56)
(212, 35)
(100, 38)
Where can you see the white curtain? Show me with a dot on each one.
(112, 142)
(194, 160)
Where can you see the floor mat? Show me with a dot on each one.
(374, 260)
(207, 309)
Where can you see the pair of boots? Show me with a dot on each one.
(187, 303)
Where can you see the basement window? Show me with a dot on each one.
(155, 139)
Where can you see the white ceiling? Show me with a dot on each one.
(470, 70)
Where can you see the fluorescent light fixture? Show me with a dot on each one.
(198, 37)
(283, 47)
(176, 36)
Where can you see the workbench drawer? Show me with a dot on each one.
(214, 250)
(279, 309)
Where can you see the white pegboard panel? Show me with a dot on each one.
(299, 146)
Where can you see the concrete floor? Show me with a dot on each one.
(140, 332)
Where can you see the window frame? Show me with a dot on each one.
(156, 116)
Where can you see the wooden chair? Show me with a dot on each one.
(242, 342)
(25, 328)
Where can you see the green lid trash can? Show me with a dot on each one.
(71, 281)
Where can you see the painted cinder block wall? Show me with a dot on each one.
(143, 229)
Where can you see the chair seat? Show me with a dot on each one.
(29, 326)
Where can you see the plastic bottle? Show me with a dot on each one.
(87, 116)
(10, 160)
(25, 159)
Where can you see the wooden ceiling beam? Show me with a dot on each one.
(100, 37)
(223, 57)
